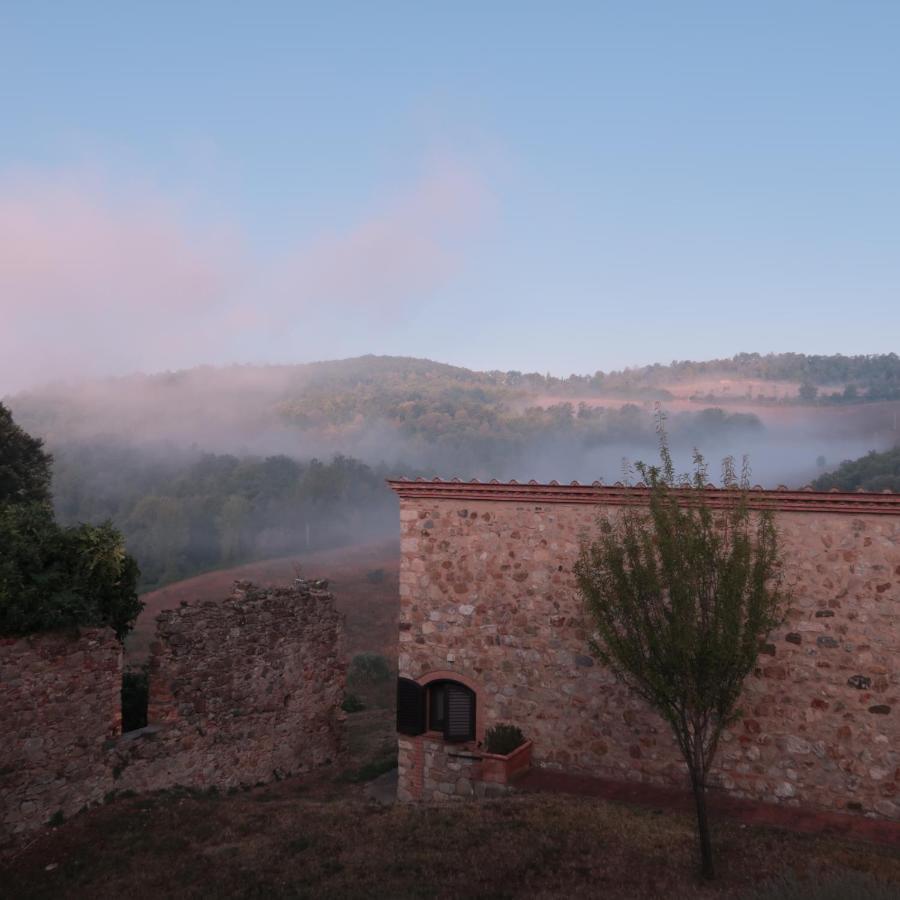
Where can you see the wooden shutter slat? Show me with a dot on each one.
(410, 707)
(460, 721)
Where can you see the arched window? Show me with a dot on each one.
(451, 710)
(445, 706)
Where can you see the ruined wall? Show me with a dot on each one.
(59, 706)
(241, 691)
(487, 590)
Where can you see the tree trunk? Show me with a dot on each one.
(698, 784)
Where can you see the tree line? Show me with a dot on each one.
(186, 512)
(872, 472)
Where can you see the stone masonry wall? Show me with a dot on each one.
(435, 770)
(241, 691)
(59, 706)
(487, 591)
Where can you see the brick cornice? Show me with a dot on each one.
(783, 500)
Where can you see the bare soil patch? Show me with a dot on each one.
(320, 837)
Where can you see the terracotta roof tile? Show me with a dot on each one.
(781, 498)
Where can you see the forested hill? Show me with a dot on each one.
(212, 466)
(872, 472)
(208, 404)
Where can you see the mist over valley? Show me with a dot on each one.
(210, 467)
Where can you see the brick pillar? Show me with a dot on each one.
(410, 768)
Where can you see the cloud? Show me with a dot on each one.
(401, 252)
(98, 277)
(93, 278)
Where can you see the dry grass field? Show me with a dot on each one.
(322, 837)
(363, 579)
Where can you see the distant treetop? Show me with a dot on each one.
(872, 472)
(24, 466)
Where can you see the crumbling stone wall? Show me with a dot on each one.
(486, 590)
(241, 691)
(59, 706)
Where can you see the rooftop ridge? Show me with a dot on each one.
(805, 499)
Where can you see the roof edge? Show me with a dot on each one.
(597, 494)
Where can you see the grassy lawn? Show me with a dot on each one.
(322, 838)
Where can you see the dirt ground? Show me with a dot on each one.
(321, 836)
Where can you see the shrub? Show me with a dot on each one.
(53, 577)
(352, 704)
(369, 668)
(503, 739)
(371, 770)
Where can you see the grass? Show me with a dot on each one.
(370, 770)
(319, 838)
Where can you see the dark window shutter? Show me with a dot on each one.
(459, 724)
(410, 707)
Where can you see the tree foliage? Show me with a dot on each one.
(872, 472)
(50, 576)
(24, 466)
(189, 512)
(680, 594)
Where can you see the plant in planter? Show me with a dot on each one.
(502, 739)
(506, 755)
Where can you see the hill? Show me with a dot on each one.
(213, 467)
(872, 472)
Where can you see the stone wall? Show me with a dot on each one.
(59, 707)
(486, 590)
(241, 691)
(435, 770)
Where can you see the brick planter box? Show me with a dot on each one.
(504, 769)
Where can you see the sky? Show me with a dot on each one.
(559, 187)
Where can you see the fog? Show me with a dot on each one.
(212, 467)
(246, 411)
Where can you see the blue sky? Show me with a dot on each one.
(563, 187)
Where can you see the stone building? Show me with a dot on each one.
(492, 630)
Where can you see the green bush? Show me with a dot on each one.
(371, 770)
(369, 668)
(54, 577)
(352, 704)
(503, 739)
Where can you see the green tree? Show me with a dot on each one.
(53, 577)
(681, 593)
(24, 466)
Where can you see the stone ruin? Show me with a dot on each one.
(242, 690)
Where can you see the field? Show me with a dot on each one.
(880, 420)
(324, 837)
(363, 579)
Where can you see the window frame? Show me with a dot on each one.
(443, 725)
